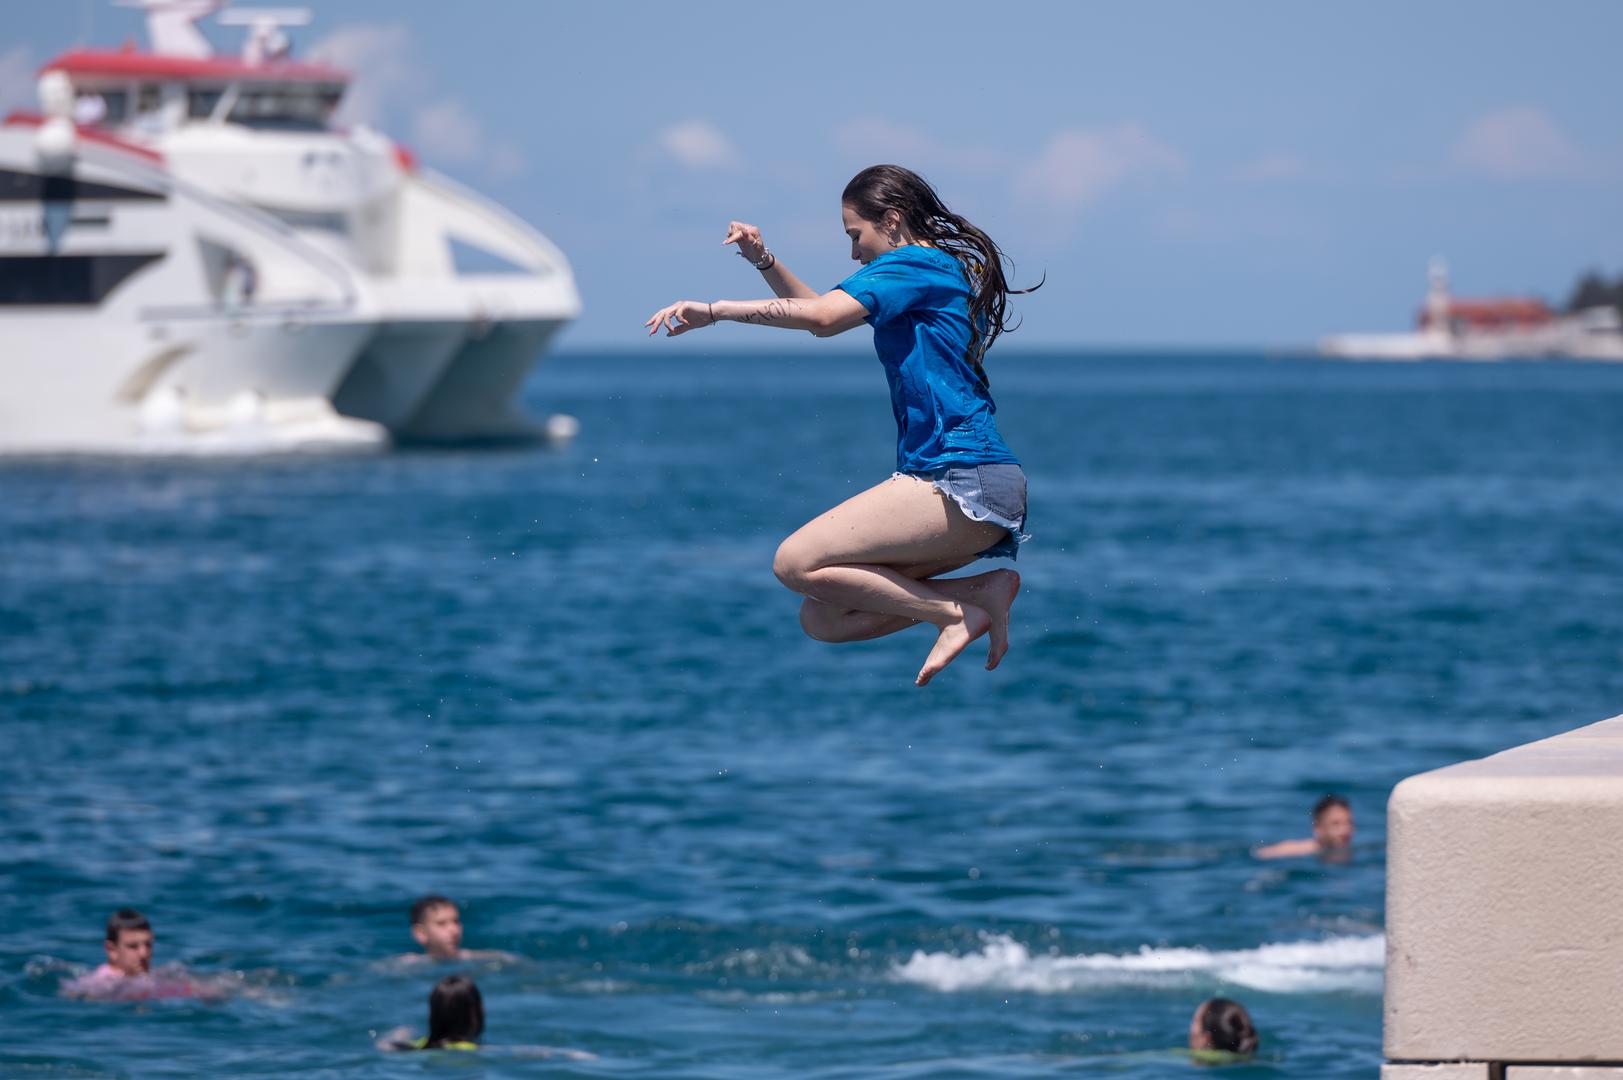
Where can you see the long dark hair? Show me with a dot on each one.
(1229, 1026)
(879, 188)
(456, 1012)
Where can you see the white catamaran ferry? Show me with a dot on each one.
(190, 252)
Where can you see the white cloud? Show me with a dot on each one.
(1517, 143)
(1273, 167)
(874, 140)
(1179, 223)
(17, 79)
(507, 161)
(699, 145)
(1077, 167)
(448, 131)
(390, 89)
(380, 56)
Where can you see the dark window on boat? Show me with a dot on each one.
(118, 106)
(148, 98)
(33, 187)
(65, 279)
(200, 103)
(311, 219)
(290, 108)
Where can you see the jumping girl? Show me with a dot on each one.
(932, 287)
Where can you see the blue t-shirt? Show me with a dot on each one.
(918, 305)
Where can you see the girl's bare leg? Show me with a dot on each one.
(848, 558)
(993, 592)
(834, 625)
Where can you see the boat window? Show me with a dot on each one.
(118, 106)
(285, 108)
(18, 187)
(59, 280)
(148, 97)
(312, 219)
(469, 258)
(200, 103)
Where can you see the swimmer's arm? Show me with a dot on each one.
(493, 955)
(777, 275)
(825, 315)
(785, 284)
(833, 312)
(1288, 849)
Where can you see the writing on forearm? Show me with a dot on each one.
(785, 313)
(769, 311)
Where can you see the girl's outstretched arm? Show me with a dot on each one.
(834, 312)
(777, 275)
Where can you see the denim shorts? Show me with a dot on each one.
(995, 493)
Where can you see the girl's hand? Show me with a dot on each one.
(679, 318)
(748, 239)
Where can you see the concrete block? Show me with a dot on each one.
(1453, 1070)
(1505, 905)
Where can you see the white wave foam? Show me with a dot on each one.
(1338, 963)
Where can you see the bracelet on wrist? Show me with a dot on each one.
(766, 262)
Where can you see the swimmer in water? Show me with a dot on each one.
(436, 924)
(933, 289)
(456, 1019)
(1332, 834)
(1221, 1030)
(127, 973)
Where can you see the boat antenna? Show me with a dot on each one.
(265, 38)
(169, 25)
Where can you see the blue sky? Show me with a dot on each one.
(1186, 173)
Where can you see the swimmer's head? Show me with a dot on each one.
(1221, 1024)
(437, 925)
(883, 208)
(129, 942)
(1332, 822)
(456, 1012)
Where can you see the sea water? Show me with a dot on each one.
(270, 701)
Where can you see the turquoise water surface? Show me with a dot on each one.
(269, 702)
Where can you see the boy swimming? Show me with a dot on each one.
(1332, 834)
(436, 925)
(127, 974)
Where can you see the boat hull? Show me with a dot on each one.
(476, 395)
(104, 388)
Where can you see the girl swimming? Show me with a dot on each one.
(932, 287)
(1222, 1026)
(456, 1019)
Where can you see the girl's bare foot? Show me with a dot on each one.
(993, 592)
(997, 598)
(954, 638)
